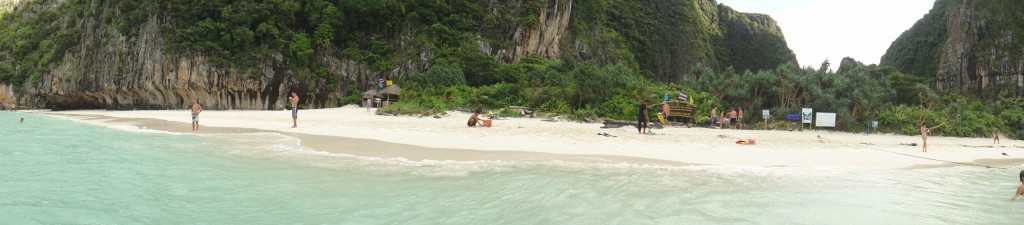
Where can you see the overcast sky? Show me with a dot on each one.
(833, 29)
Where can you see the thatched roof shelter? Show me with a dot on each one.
(370, 94)
(392, 90)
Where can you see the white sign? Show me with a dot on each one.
(825, 119)
(765, 113)
(806, 115)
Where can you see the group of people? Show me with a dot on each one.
(293, 99)
(733, 118)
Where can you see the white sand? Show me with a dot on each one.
(680, 144)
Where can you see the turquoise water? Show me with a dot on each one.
(59, 172)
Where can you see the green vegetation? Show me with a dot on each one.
(32, 42)
(858, 94)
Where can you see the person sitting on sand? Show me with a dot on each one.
(474, 120)
(1020, 189)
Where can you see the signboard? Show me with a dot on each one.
(765, 114)
(806, 115)
(390, 82)
(874, 124)
(792, 117)
(825, 119)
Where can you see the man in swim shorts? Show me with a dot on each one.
(294, 99)
(732, 119)
(196, 109)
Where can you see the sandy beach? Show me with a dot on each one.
(357, 131)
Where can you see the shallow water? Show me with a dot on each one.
(59, 172)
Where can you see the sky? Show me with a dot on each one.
(833, 29)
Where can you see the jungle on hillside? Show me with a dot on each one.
(613, 56)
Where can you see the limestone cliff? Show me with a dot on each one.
(113, 54)
(966, 46)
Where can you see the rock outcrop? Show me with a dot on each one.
(966, 46)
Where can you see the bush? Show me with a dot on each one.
(441, 74)
(556, 106)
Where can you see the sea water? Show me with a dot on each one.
(55, 171)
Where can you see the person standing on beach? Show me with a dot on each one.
(196, 109)
(732, 118)
(1020, 189)
(714, 116)
(995, 135)
(665, 109)
(741, 118)
(294, 99)
(641, 117)
(721, 119)
(924, 137)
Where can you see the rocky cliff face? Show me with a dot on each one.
(107, 68)
(966, 46)
(753, 41)
(669, 37)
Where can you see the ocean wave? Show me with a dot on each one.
(137, 129)
(279, 146)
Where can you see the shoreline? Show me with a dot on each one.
(526, 139)
(361, 147)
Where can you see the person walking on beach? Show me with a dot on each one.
(196, 109)
(1020, 189)
(995, 136)
(294, 99)
(641, 117)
